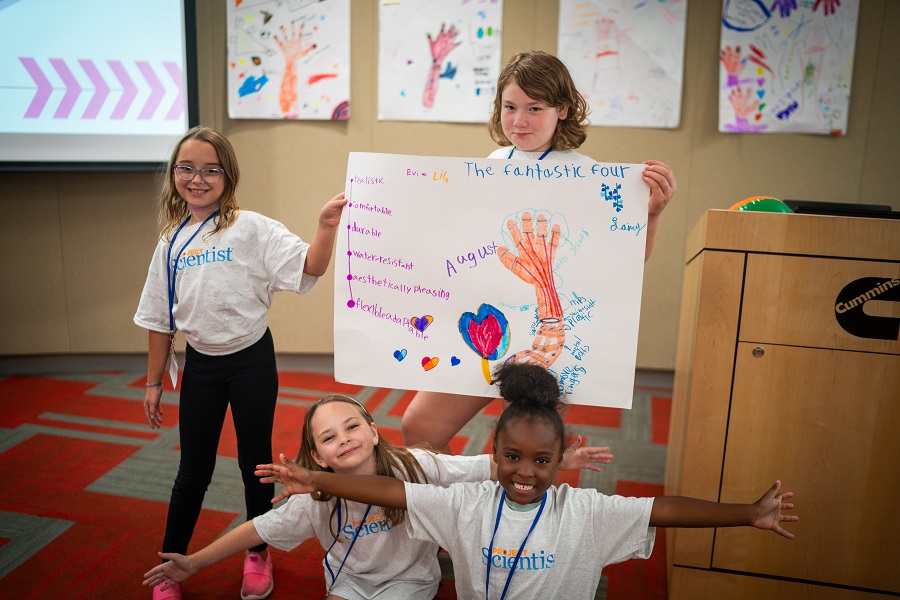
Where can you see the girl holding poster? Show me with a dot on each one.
(538, 113)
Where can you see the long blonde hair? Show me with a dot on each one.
(543, 77)
(172, 207)
(389, 459)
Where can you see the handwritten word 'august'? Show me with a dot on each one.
(471, 258)
(536, 171)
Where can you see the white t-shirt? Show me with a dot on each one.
(557, 155)
(579, 532)
(225, 283)
(385, 563)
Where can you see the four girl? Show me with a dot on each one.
(213, 275)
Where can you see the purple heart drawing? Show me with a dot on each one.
(400, 354)
(454, 361)
(422, 323)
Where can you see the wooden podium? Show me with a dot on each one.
(788, 367)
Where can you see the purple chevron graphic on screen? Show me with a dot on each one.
(44, 89)
(102, 87)
(178, 104)
(129, 90)
(157, 90)
(73, 90)
(101, 90)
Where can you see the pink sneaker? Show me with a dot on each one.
(258, 580)
(173, 593)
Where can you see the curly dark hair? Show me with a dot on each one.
(543, 77)
(533, 393)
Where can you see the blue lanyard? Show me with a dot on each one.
(541, 157)
(172, 269)
(350, 549)
(512, 570)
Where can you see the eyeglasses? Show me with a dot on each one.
(186, 173)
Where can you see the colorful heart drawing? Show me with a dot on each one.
(429, 363)
(422, 323)
(486, 333)
(454, 361)
(400, 354)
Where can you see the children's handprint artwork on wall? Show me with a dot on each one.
(442, 45)
(795, 69)
(626, 57)
(452, 47)
(288, 60)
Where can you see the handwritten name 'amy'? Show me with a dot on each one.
(635, 228)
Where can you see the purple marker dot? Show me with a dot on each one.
(350, 204)
(348, 227)
(351, 303)
(349, 253)
(349, 277)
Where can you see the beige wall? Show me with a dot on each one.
(75, 247)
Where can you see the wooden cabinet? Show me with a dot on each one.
(788, 367)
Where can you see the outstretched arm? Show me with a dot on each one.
(180, 567)
(388, 492)
(318, 255)
(765, 513)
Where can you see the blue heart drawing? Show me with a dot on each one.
(454, 361)
(400, 354)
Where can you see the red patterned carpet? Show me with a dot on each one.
(84, 483)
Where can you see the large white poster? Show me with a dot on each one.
(289, 59)
(786, 66)
(627, 58)
(438, 60)
(447, 267)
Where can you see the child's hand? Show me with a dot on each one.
(769, 509)
(575, 457)
(331, 212)
(152, 407)
(661, 180)
(294, 478)
(179, 568)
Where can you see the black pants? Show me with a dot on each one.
(248, 381)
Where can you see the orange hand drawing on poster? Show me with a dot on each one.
(534, 265)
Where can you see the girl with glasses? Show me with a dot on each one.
(213, 275)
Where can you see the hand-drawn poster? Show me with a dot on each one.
(627, 58)
(448, 267)
(786, 66)
(289, 59)
(438, 60)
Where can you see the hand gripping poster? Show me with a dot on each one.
(448, 267)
